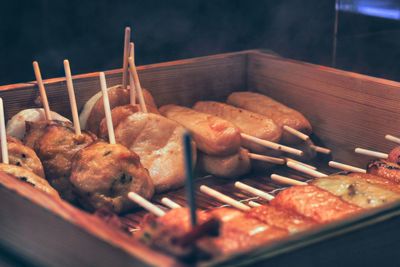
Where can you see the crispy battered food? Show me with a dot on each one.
(377, 180)
(248, 122)
(24, 156)
(281, 218)
(35, 130)
(29, 177)
(103, 174)
(118, 114)
(16, 125)
(213, 135)
(93, 111)
(279, 113)
(231, 166)
(315, 203)
(385, 169)
(356, 191)
(158, 142)
(394, 155)
(56, 147)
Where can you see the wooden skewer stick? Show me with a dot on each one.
(320, 149)
(301, 163)
(127, 39)
(107, 109)
(223, 198)
(254, 191)
(132, 89)
(138, 87)
(272, 145)
(169, 203)
(286, 180)
(305, 170)
(146, 204)
(42, 90)
(345, 167)
(297, 133)
(72, 99)
(3, 136)
(392, 138)
(371, 153)
(267, 158)
(189, 182)
(253, 204)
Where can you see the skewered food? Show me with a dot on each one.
(103, 174)
(158, 142)
(16, 125)
(385, 169)
(29, 177)
(93, 111)
(315, 203)
(279, 113)
(377, 180)
(231, 166)
(213, 135)
(394, 155)
(118, 114)
(356, 191)
(248, 122)
(24, 156)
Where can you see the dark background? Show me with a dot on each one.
(90, 34)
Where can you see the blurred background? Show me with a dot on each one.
(90, 33)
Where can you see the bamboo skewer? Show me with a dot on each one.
(286, 180)
(132, 89)
(371, 153)
(267, 158)
(253, 204)
(133, 70)
(272, 145)
(295, 132)
(127, 38)
(392, 138)
(42, 90)
(3, 136)
(345, 167)
(146, 204)
(320, 149)
(223, 198)
(169, 203)
(254, 191)
(72, 99)
(305, 170)
(107, 109)
(301, 163)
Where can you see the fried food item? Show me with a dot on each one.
(385, 169)
(213, 135)
(29, 177)
(103, 174)
(356, 191)
(314, 203)
(56, 147)
(35, 130)
(279, 113)
(24, 156)
(248, 122)
(118, 114)
(394, 155)
(159, 143)
(281, 218)
(231, 166)
(377, 180)
(16, 125)
(93, 111)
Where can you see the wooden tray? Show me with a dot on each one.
(346, 110)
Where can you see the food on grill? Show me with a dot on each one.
(356, 191)
(279, 113)
(29, 177)
(24, 156)
(93, 111)
(231, 166)
(213, 135)
(16, 125)
(158, 142)
(377, 180)
(314, 203)
(103, 174)
(385, 169)
(248, 122)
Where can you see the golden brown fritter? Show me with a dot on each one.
(35, 130)
(56, 148)
(29, 177)
(103, 174)
(118, 114)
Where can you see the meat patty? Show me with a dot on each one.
(103, 174)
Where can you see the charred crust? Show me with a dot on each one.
(25, 179)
